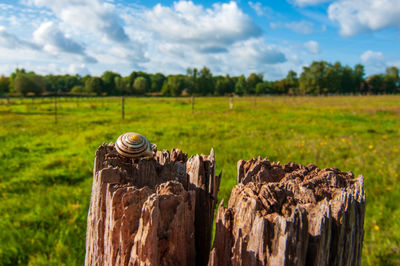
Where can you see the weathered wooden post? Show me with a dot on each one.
(192, 104)
(156, 211)
(159, 211)
(231, 103)
(290, 215)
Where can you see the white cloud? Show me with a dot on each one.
(11, 41)
(308, 2)
(357, 16)
(80, 69)
(92, 15)
(165, 39)
(302, 27)
(54, 41)
(257, 7)
(312, 47)
(374, 62)
(206, 29)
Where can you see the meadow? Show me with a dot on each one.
(46, 167)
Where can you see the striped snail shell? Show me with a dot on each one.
(134, 145)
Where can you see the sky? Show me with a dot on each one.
(229, 37)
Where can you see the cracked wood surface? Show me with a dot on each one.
(155, 211)
(290, 215)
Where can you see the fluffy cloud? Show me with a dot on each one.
(124, 37)
(302, 27)
(357, 16)
(92, 15)
(374, 62)
(209, 30)
(257, 7)
(54, 41)
(312, 47)
(11, 41)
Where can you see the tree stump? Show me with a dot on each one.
(155, 211)
(290, 215)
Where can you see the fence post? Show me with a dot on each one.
(231, 103)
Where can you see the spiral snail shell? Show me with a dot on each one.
(134, 145)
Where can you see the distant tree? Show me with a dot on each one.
(157, 81)
(241, 86)
(140, 86)
(376, 84)
(25, 83)
(347, 80)
(224, 85)
(78, 89)
(358, 78)
(174, 85)
(265, 87)
(252, 80)
(291, 82)
(13, 76)
(63, 83)
(122, 86)
(192, 75)
(392, 79)
(109, 79)
(95, 85)
(4, 85)
(205, 81)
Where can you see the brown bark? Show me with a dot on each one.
(290, 215)
(152, 211)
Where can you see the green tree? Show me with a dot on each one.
(78, 89)
(192, 75)
(62, 83)
(109, 79)
(392, 79)
(252, 80)
(95, 85)
(205, 81)
(376, 84)
(224, 85)
(358, 78)
(291, 82)
(265, 87)
(122, 86)
(241, 86)
(4, 85)
(174, 85)
(25, 83)
(140, 86)
(157, 81)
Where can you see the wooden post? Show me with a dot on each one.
(231, 103)
(290, 215)
(192, 104)
(122, 107)
(159, 211)
(155, 211)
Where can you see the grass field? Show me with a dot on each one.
(46, 168)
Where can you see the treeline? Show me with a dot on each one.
(320, 78)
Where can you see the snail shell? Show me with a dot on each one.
(134, 145)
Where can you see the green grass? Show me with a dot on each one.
(46, 168)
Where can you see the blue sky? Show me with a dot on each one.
(230, 37)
